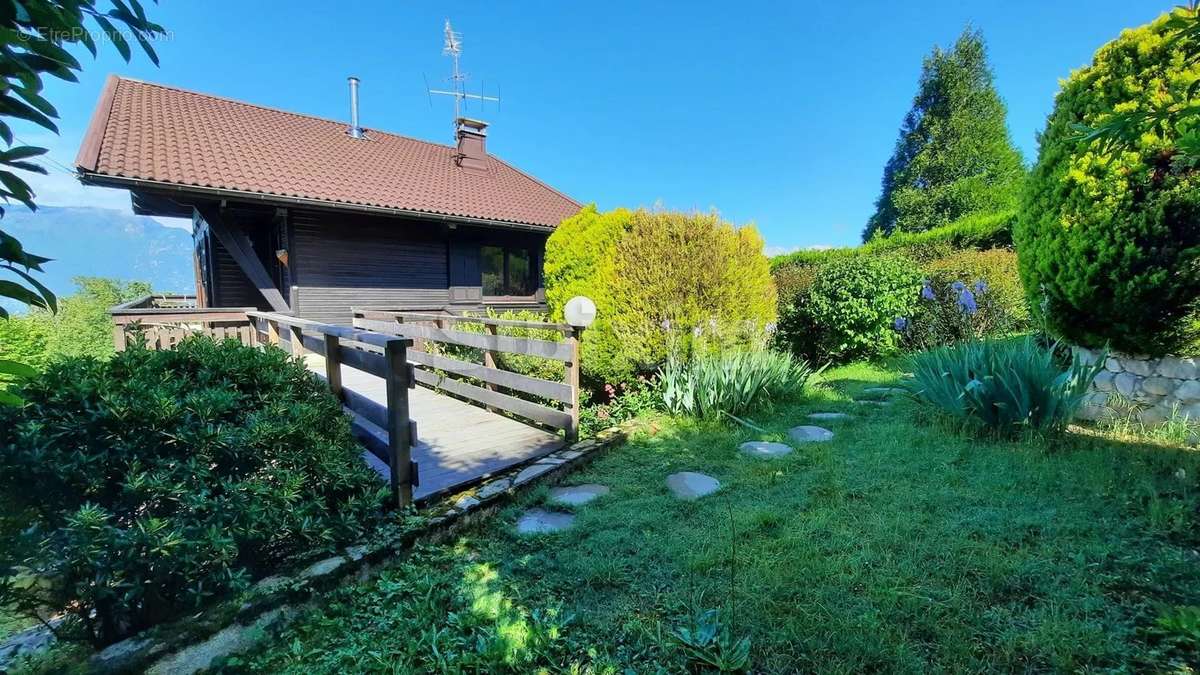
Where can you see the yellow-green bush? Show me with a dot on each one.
(658, 279)
(1109, 241)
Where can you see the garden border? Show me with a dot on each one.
(233, 625)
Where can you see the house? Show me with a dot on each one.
(311, 216)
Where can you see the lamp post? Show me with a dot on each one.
(579, 312)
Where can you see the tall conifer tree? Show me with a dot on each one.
(954, 156)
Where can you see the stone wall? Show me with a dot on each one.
(1157, 388)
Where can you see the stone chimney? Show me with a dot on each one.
(472, 143)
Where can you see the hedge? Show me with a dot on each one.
(1109, 240)
(155, 480)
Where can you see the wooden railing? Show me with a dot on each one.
(164, 320)
(555, 403)
(384, 356)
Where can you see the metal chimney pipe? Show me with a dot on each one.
(355, 131)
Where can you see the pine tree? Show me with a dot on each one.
(954, 157)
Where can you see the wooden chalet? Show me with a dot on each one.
(297, 214)
(354, 249)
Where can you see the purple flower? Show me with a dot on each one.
(769, 328)
(900, 324)
(966, 302)
(697, 331)
(666, 324)
(958, 287)
(927, 291)
(981, 287)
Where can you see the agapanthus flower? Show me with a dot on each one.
(697, 331)
(966, 302)
(927, 291)
(900, 324)
(769, 328)
(981, 287)
(958, 287)
(666, 324)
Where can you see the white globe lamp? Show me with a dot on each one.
(580, 312)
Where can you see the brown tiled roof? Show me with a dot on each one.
(162, 134)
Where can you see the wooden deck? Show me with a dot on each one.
(458, 443)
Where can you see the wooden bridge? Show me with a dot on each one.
(431, 396)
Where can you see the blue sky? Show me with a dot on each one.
(780, 114)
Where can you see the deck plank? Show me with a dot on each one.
(458, 443)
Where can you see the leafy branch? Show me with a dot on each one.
(34, 37)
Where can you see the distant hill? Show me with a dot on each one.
(87, 241)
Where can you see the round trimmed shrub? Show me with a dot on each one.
(157, 479)
(849, 310)
(664, 284)
(1109, 242)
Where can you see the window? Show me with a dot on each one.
(506, 271)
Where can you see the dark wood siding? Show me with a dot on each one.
(340, 261)
(231, 286)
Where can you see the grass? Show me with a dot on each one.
(898, 547)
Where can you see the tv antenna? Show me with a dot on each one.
(458, 79)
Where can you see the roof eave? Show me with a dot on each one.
(209, 193)
(89, 151)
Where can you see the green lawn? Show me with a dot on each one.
(898, 546)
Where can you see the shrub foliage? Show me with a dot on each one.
(1109, 237)
(650, 271)
(967, 295)
(1005, 387)
(155, 480)
(849, 309)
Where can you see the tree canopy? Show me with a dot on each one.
(954, 156)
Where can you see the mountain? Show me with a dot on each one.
(88, 241)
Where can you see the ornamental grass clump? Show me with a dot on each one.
(1005, 387)
(731, 384)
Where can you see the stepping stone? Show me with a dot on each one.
(807, 434)
(828, 416)
(689, 485)
(765, 449)
(540, 521)
(577, 494)
(884, 391)
(880, 404)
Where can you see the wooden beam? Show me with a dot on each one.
(398, 427)
(239, 246)
(572, 381)
(333, 365)
(518, 406)
(556, 351)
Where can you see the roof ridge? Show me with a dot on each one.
(227, 99)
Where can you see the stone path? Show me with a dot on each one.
(878, 404)
(809, 434)
(541, 521)
(828, 416)
(689, 485)
(884, 391)
(765, 449)
(576, 495)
